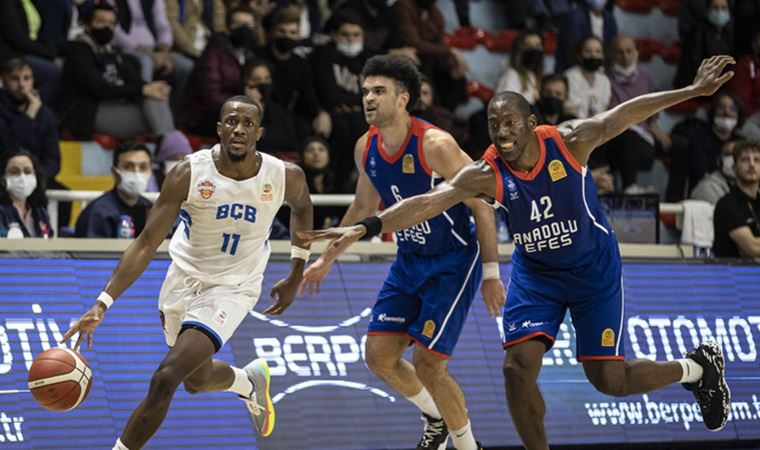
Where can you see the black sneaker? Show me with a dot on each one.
(711, 392)
(435, 435)
(480, 446)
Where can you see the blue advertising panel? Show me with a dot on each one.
(325, 396)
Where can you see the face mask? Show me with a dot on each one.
(591, 64)
(725, 124)
(21, 186)
(350, 49)
(550, 105)
(102, 36)
(241, 37)
(728, 166)
(266, 91)
(719, 18)
(626, 72)
(284, 45)
(531, 59)
(170, 164)
(134, 183)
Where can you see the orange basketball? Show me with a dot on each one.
(60, 379)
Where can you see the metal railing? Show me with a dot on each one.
(84, 197)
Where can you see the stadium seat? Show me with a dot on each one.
(672, 53)
(465, 38)
(479, 91)
(501, 43)
(550, 42)
(198, 142)
(648, 47)
(635, 6)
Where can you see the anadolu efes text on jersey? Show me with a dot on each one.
(223, 235)
(553, 212)
(406, 174)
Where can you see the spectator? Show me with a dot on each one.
(309, 18)
(25, 122)
(216, 75)
(315, 161)
(697, 144)
(131, 173)
(279, 131)
(589, 88)
(337, 77)
(635, 148)
(170, 155)
(737, 215)
(22, 196)
(550, 108)
(60, 21)
(587, 18)
(746, 86)
(421, 26)
(428, 110)
(188, 21)
(526, 66)
(20, 28)
(704, 32)
(293, 86)
(147, 36)
(104, 92)
(716, 184)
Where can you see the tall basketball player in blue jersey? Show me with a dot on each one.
(566, 255)
(432, 283)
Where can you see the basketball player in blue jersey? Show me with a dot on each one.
(566, 255)
(432, 283)
(226, 199)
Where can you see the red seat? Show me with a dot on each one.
(671, 54)
(198, 142)
(501, 43)
(479, 91)
(550, 42)
(635, 6)
(465, 38)
(106, 141)
(670, 7)
(648, 47)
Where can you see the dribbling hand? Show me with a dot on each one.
(284, 292)
(710, 76)
(86, 325)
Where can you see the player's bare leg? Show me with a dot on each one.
(632, 376)
(384, 358)
(192, 350)
(522, 364)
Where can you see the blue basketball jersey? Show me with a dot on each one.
(406, 174)
(553, 212)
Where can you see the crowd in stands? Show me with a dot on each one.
(158, 71)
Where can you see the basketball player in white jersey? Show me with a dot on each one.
(226, 198)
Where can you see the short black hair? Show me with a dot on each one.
(514, 98)
(742, 147)
(38, 198)
(553, 78)
(245, 100)
(129, 146)
(399, 69)
(236, 10)
(15, 64)
(342, 17)
(102, 6)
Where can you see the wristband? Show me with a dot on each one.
(300, 253)
(106, 299)
(373, 224)
(491, 271)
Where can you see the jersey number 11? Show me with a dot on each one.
(226, 238)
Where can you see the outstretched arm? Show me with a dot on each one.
(141, 251)
(583, 136)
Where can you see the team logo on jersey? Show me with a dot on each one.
(266, 193)
(372, 164)
(407, 164)
(220, 317)
(608, 338)
(557, 170)
(512, 188)
(428, 329)
(206, 189)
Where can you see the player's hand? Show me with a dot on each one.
(341, 239)
(86, 325)
(709, 78)
(313, 276)
(284, 292)
(494, 296)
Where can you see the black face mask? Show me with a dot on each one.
(265, 90)
(532, 58)
(101, 36)
(591, 64)
(284, 45)
(550, 105)
(241, 37)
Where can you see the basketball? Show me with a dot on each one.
(59, 379)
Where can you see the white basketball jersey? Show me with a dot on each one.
(223, 237)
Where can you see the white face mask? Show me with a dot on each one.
(21, 186)
(134, 183)
(725, 124)
(624, 71)
(350, 49)
(728, 166)
(170, 164)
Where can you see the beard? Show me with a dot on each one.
(237, 158)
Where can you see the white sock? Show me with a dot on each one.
(425, 403)
(463, 438)
(241, 384)
(692, 371)
(119, 445)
